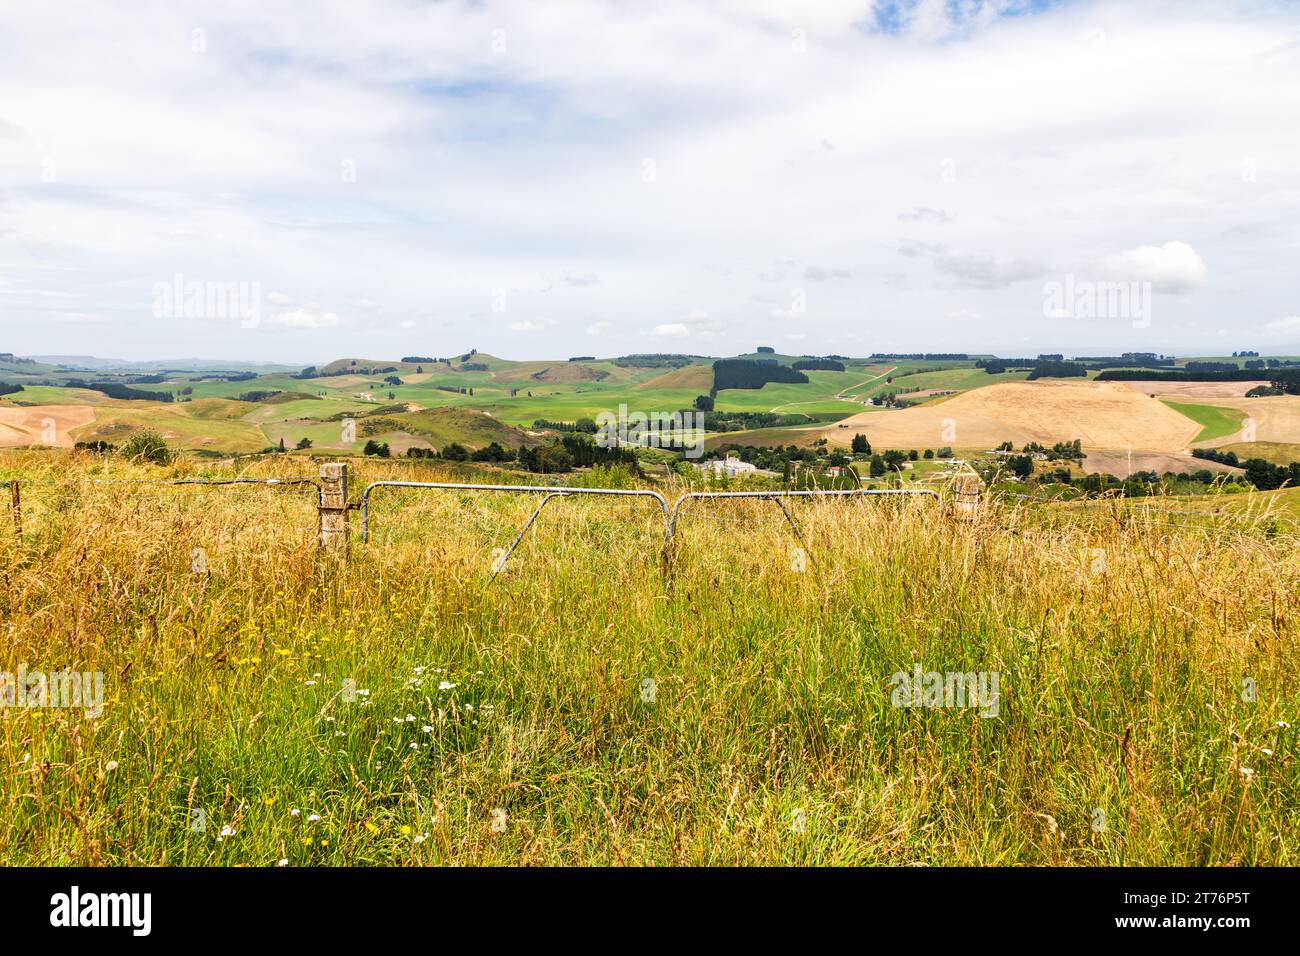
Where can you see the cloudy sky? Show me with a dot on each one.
(583, 177)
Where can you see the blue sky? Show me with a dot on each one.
(541, 180)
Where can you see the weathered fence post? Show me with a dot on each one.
(16, 502)
(334, 509)
(967, 491)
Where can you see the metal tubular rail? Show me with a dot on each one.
(271, 482)
(549, 492)
(776, 496)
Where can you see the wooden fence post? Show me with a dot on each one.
(334, 509)
(16, 502)
(967, 492)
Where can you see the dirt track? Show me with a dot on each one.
(1105, 416)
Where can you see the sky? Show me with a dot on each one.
(299, 182)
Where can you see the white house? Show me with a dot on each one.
(729, 466)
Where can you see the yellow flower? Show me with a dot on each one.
(406, 831)
(371, 827)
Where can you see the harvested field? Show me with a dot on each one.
(42, 424)
(1194, 389)
(1120, 464)
(1277, 419)
(1103, 415)
(698, 377)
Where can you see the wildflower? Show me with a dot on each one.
(314, 818)
(406, 830)
(1283, 724)
(445, 685)
(1266, 751)
(108, 767)
(371, 827)
(410, 718)
(294, 812)
(309, 683)
(226, 831)
(421, 837)
(282, 863)
(427, 728)
(1247, 773)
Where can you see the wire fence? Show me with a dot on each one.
(36, 499)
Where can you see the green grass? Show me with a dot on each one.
(1120, 682)
(1215, 422)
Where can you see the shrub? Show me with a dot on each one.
(147, 446)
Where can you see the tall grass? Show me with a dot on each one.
(1121, 642)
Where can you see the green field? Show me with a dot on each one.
(1215, 422)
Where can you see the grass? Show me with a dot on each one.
(1120, 679)
(1279, 453)
(1215, 422)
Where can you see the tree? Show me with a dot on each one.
(377, 448)
(281, 444)
(1022, 466)
(877, 466)
(303, 444)
(929, 453)
(455, 451)
(704, 403)
(493, 452)
(860, 445)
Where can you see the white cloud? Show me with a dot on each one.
(598, 328)
(527, 325)
(984, 271)
(1172, 267)
(80, 318)
(308, 317)
(672, 330)
(1287, 328)
(1019, 139)
(406, 324)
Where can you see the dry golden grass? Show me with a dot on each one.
(1121, 642)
